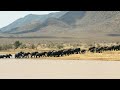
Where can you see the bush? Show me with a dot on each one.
(10, 46)
(50, 45)
(23, 46)
(60, 46)
(32, 46)
(0, 47)
(6, 47)
(17, 44)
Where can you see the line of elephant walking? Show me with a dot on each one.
(67, 52)
(53, 53)
(60, 53)
(6, 56)
(103, 49)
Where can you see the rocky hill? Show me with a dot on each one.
(65, 23)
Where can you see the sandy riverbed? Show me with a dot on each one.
(52, 69)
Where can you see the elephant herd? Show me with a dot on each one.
(6, 56)
(60, 53)
(106, 48)
(48, 54)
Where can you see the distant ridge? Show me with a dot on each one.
(65, 24)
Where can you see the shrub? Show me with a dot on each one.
(0, 47)
(60, 46)
(32, 46)
(17, 44)
(6, 47)
(9, 46)
(50, 45)
(23, 46)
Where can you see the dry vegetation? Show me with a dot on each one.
(57, 45)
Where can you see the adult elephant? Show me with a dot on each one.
(57, 53)
(43, 54)
(33, 54)
(99, 50)
(50, 53)
(19, 55)
(77, 50)
(26, 55)
(92, 49)
(117, 47)
(65, 52)
(8, 56)
(83, 51)
(1, 56)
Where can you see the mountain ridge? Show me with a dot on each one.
(69, 22)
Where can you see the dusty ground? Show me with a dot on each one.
(58, 69)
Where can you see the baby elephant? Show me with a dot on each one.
(83, 51)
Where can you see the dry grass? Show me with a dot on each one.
(106, 56)
(114, 55)
(44, 45)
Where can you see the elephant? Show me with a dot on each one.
(26, 55)
(33, 54)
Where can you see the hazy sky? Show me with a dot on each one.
(7, 17)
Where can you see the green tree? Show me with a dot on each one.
(17, 44)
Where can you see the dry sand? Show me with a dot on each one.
(58, 69)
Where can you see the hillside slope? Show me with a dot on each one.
(82, 24)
